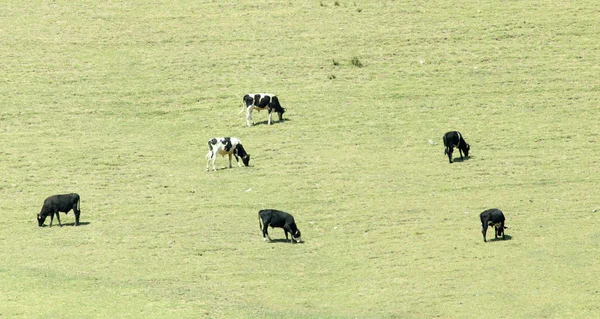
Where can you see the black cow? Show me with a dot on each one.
(455, 139)
(59, 203)
(226, 146)
(492, 217)
(261, 101)
(277, 218)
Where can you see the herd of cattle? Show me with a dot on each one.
(269, 217)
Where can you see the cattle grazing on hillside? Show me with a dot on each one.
(277, 218)
(259, 102)
(492, 217)
(454, 139)
(226, 146)
(59, 203)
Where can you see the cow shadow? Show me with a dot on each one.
(282, 241)
(266, 122)
(224, 168)
(506, 237)
(460, 160)
(70, 224)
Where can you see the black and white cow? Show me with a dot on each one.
(277, 218)
(454, 139)
(259, 102)
(492, 217)
(59, 203)
(226, 146)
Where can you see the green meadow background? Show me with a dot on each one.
(116, 100)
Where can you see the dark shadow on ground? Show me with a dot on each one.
(282, 240)
(67, 224)
(458, 160)
(274, 122)
(506, 237)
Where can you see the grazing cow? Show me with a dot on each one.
(226, 146)
(277, 218)
(261, 101)
(455, 139)
(492, 217)
(59, 203)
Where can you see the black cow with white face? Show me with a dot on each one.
(454, 139)
(226, 146)
(277, 218)
(59, 203)
(259, 102)
(492, 217)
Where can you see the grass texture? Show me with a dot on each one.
(116, 101)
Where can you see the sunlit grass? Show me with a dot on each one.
(116, 101)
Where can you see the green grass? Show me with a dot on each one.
(116, 100)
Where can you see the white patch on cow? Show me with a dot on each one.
(252, 107)
(219, 148)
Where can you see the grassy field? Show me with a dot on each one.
(116, 101)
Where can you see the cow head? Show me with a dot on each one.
(280, 112)
(500, 231)
(466, 149)
(297, 236)
(246, 159)
(41, 220)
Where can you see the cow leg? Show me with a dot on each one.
(270, 116)
(460, 152)
(249, 115)
(266, 232)
(495, 232)
(51, 219)
(77, 212)
(449, 152)
(237, 159)
(58, 218)
(208, 158)
(214, 159)
(287, 229)
(229, 160)
(484, 231)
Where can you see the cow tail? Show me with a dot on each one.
(244, 106)
(78, 201)
(209, 154)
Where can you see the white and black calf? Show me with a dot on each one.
(226, 146)
(454, 139)
(259, 102)
(494, 218)
(59, 203)
(277, 218)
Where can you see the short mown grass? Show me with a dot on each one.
(116, 101)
